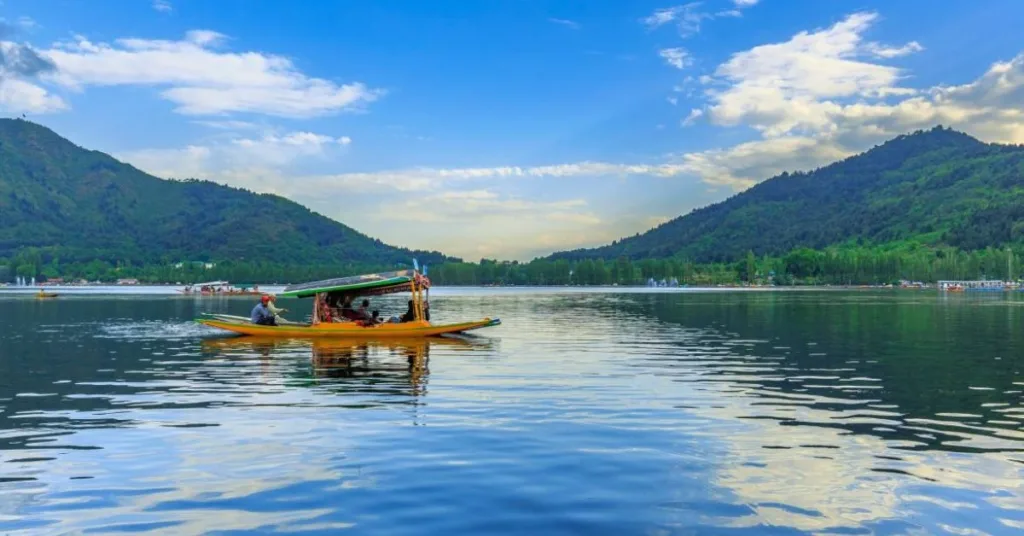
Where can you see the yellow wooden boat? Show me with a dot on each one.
(44, 295)
(328, 321)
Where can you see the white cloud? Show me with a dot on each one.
(204, 37)
(27, 23)
(428, 179)
(686, 17)
(163, 6)
(815, 100)
(281, 150)
(202, 81)
(662, 16)
(816, 84)
(779, 88)
(739, 6)
(571, 24)
(676, 57)
(20, 66)
(483, 206)
(672, 100)
(232, 160)
(1001, 87)
(228, 124)
(264, 164)
(692, 118)
(819, 64)
(18, 96)
(746, 164)
(883, 51)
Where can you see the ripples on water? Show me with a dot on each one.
(660, 413)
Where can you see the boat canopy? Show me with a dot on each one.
(210, 284)
(362, 285)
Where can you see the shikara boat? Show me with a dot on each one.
(326, 321)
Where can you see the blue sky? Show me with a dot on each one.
(506, 129)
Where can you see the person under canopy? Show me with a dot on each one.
(363, 313)
(410, 313)
(347, 310)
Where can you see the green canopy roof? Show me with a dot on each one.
(369, 284)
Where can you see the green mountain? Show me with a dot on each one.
(936, 187)
(81, 205)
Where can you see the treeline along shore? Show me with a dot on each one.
(835, 266)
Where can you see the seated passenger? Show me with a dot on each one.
(363, 313)
(410, 314)
(346, 309)
(323, 311)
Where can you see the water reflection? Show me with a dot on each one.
(589, 413)
(847, 399)
(373, 363)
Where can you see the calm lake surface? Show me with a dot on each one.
(598, 412)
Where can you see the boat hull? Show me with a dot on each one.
(349, 329)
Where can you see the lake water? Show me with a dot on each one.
(596, 412)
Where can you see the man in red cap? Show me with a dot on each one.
(261, 315)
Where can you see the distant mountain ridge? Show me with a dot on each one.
(938, 186)
(83, 205)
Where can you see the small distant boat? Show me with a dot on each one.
(326, 322)
(220, 288)
(44, 295)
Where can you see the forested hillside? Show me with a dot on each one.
(64, 205)
(924, 206)
(938, 187)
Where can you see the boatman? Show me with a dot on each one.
(274, 309)
(261, 315)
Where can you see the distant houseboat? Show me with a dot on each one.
(220, 288)
(974, 286)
